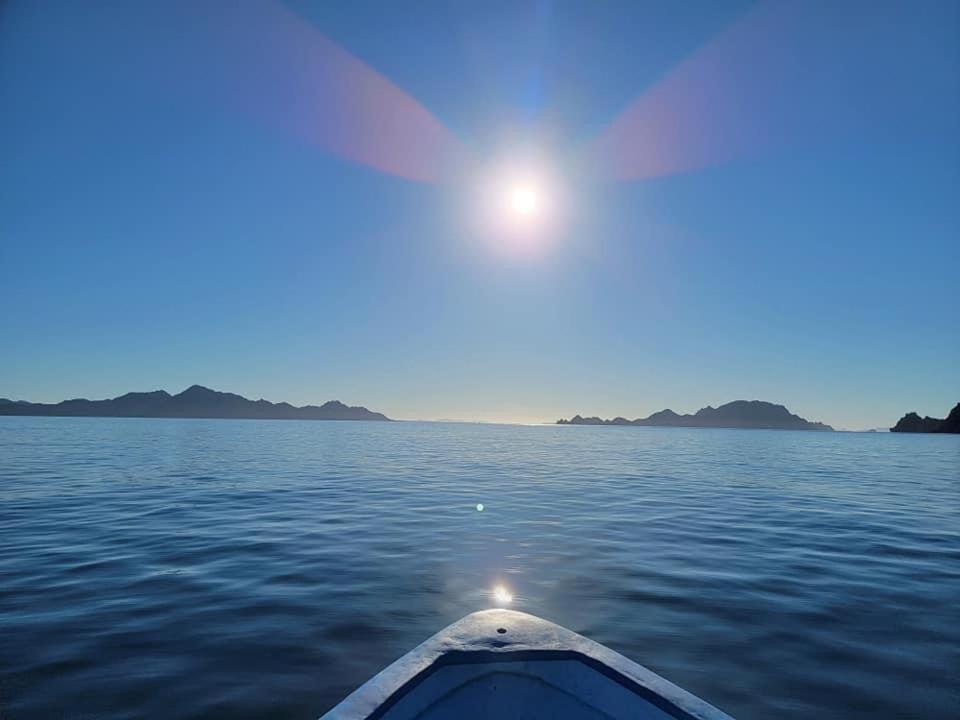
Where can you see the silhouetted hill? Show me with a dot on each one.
(577, 420)
(194, 402)
(737, 414)
(913, 423)
(952, 422)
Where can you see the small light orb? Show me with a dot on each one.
(479, 507)
(502, 596)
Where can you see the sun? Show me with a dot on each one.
(524, 200)
(521, 205)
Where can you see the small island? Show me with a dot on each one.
(752, 414)
(194, 402)
(913, 423)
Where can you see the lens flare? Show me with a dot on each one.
(745, 91)
(276, 65)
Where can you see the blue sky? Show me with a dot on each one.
(173, 210)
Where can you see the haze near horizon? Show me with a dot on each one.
(513, 213)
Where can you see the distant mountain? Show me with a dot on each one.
(194, 402)
(913, 423)
(737, 414)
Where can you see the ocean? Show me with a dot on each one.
(249, 569)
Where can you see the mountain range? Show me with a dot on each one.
(194, 402)
(755, 414)
(913, 423)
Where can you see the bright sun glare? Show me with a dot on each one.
(524, 200)
(502, 596)
(521, 204)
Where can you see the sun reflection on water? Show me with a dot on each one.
(502, 596)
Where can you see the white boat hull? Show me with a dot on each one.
(505, 664)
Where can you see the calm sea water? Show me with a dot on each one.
(205, 568)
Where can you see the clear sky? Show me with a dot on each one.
(302, 201)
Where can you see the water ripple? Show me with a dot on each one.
(202, 568)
